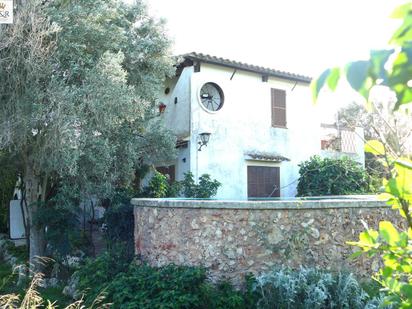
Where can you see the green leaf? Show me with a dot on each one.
(388, 232)
(355, 254)
(401, 185)
(357, 74)
(378, 60)
(368, 237)
(404, 96)
(403, 240)
(333, 78)
(318, 84)
(375, 147)
(404, 32)
(387, 271)
(406, 290)
(401, 11)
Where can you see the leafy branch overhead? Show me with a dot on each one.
(390, 67)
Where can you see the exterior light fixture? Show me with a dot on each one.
(203, 140)
(162, 108)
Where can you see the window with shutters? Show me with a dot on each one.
(278, 102)
(263, 181)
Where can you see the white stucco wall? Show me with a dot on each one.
(243, 125)
(177, 115)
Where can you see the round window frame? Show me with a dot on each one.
(222, 95)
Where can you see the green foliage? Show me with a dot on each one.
(331, 177)
(206, 187)
(8, 179)
(78, 97)
(376, 171)
(32, 297)
(140, 286)
(62, 230)
(310, 288)
(119, 224)
(8, 279)
(388, 67)
(19, 252)
(168, 287)
(160, 187)
(392, 68)
(97, 274)
(394, 247)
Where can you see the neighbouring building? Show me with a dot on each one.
(261, 123)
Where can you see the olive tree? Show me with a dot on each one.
(78, 87)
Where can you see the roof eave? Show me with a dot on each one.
(281, 75)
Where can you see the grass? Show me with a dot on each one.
(8, 285)
(55, 295)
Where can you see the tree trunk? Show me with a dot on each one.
(36, 235)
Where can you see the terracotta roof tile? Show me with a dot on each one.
(246, 67)
(266, 156)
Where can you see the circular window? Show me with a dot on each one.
(211, 97)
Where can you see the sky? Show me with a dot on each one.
(293, 35)
(298, 36)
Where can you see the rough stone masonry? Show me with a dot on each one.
(233, 238)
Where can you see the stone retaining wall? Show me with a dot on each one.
(233, 238)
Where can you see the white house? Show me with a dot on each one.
(262, 124)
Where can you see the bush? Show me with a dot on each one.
(119, 223)
(205, 189)
(159, 187)
(311, 288)
(141, 286)
(96, 274)
(331, 177)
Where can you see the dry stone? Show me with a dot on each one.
(235, 240)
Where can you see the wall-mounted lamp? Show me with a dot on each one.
(162, 108)
(203, 140)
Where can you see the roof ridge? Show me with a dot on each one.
(247, 66)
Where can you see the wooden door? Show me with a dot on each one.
(263, 181)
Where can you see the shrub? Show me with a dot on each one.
(96, 274)
(141, 286)
(119, 223)
(391, 244)
(159, 187)
(205, 189)
(62, 234)
(331, 177)
(311, 288)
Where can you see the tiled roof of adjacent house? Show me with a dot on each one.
(246, 67)
(265, 156)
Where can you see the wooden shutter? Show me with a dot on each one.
(278, 108)
(263, 181)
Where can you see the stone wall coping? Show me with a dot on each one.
(331, 202)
